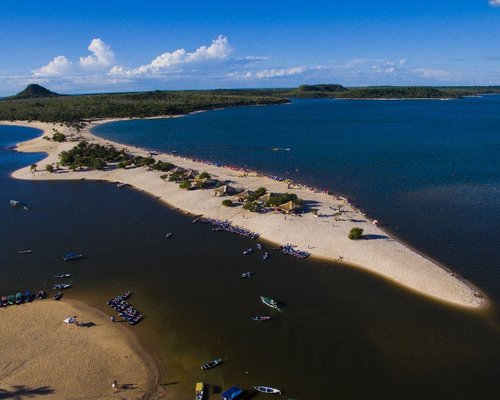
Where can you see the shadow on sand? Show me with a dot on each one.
(20, 392)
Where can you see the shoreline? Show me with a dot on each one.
(38, 348)
(383, 255)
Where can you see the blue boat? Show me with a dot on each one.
(28, 296)
(232, 393)
(72, 256)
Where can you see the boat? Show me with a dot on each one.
(15, 203)
(11, 299)
(3, 301)
(212, 363)
(62, 276)
(28, 296)
(247, 251)
(247, 274)
(265, 256)
(232, 393)
(121, 184)
(41, 295)
(72, 256)
(58, 296)
(267, 389)
(199, 390)
(169, 235)
(270, 302)
(27, 251)
(261, 318)
(259, 246)
(19, 298)
(61, 286)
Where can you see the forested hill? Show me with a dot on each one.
(38, 103)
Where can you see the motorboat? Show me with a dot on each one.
(247, 274)
(41, 295)
(267, 389)
(270, 302)
(19, 298)
(232, 393)
(169, 235)
(15, 203)
(247, 251)
(3, 301)
(259, 246)
(27, 251)
(212, 363)
(72, 256)
(261, 318)
(28, 296)
(58, 296)
(63, 276)
(199, 390)
(61, 286)
(265, 256)
(11, 299)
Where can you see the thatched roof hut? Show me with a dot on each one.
(288, 207)
(225, 190)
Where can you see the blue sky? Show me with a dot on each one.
(89, 46)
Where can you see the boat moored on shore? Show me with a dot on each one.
(267, 389)
(212, 364)
(199, 390)
(270, 302)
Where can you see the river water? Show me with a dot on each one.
(344, 333)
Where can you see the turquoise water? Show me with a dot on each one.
(429, 170)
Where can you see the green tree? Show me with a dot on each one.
(49, 168)
(33, 167)
(204, 175)
(355, 233)
(227, 203)
(185, 185)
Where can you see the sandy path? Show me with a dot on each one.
(323, 237)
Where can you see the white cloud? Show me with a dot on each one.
(218, 50)
(57, 67)
(494, 3)
(102, 55)
(432, 73)
(269, 73)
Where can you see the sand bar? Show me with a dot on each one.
(41, 356)
(321, 236)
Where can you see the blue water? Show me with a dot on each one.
(344, 334)
(429, 170)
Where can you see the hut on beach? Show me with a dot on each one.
(265, 198)
(288, 207)
(244, 195)
(225, 190)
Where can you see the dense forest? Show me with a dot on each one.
(40, 104)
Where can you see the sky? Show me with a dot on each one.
(109, 46)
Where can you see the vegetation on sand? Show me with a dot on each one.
(355, 233)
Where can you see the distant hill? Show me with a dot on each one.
(33, 91)
(328, 88)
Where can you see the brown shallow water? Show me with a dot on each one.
(343, 334)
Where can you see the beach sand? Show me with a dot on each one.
(321, 236)
(43, 357)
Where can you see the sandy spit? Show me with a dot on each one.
(322, 236)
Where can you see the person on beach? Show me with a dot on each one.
(113, 319)
(115, 385)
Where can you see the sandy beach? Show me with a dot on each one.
(321, 236)
(43, 356)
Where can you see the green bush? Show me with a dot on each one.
(185, 185)
(49, 168)
(355, 233)
(227, 203)
(58, 137)
(204, 175)
(251, 206)
(259, 192)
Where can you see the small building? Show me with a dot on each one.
(288, 207)
(244, 195)
(225, 190)
(265, 198)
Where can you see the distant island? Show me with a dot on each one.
(36, 103)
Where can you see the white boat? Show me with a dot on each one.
(247, 251)
(61, 286)
(261, 318)
(212, 364)
(15, 203)
(27, 251)
(247, 274)
(267, 389)
(199, 390)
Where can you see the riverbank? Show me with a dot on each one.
(41, 355)
(323, 236)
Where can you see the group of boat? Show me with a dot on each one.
(124, 309)
(225, 225)
(19, 298)
(234, 392)
(265, 256)
(291, 250)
